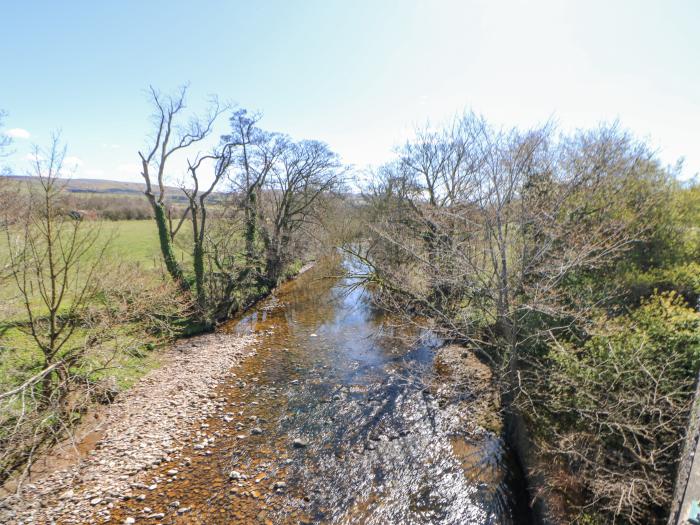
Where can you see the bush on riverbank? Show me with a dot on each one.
(568, 262)
(611, 410)
(115, 336)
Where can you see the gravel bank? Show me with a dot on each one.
(145, 427)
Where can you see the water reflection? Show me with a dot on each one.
(377, 445)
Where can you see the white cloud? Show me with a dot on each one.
(94, 173)
(34, 157)
(129, 169)
(72, 162)
(18, 133)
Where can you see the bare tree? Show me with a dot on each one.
(258, 153)
(222, 159)
(10, 198)
(306, 172)
(54, 262)
(5, 140)
(171, 135)
(519, 216)
(279, 184)
(5, 192)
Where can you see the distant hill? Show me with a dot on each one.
(115, 188)
(100, 186)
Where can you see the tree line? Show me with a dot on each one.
(278, 188)
(569, 262)
(76, 315)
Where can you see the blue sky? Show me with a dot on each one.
(355, 74)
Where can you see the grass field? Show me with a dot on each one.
(130, 242)
(137, 242)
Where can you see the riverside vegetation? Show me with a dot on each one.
(567, 262)
(87, 301)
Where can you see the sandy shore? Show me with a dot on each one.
(144, 428)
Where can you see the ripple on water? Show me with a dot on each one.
(380, 443)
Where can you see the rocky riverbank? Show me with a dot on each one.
(144, 429)
(339, 417)
(460, 375)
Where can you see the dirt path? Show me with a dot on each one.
(144, 429)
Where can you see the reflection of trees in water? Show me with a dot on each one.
(393, 442)
(381, 438)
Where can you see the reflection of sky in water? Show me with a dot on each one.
(381, 449)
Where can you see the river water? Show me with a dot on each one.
(340, 417)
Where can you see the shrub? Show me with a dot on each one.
(681, 278)
(613, 409)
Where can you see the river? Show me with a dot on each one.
(340, 417)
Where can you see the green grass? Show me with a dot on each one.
(20, 359)
(130, 242)
(137, 242)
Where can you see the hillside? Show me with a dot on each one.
(107, 187)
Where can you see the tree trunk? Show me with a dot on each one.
(47, 387)
(273, 264)
(199, 274)
(251, 225)
(166, 247)
(198, 256)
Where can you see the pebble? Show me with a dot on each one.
(144, 430)
(300, 443)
